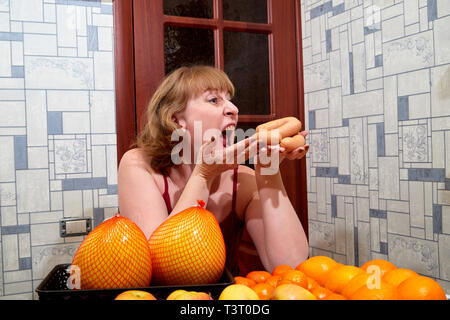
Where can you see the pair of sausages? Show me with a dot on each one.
(288, 132)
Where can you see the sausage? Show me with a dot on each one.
(288, 132)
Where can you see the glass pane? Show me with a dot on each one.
(246, 59)
(249, 10)
(189, 8)
(187, 46)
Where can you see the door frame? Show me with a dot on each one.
(129, 105)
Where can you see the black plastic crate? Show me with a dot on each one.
(54, 287)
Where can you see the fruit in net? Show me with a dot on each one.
(188, 248)
(113, 255)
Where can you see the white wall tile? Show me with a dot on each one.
(102, 112)
(4, 22)
(5, 62)
(411, 11)
(12, 114)
(407, 54)
(37, 157)
(72, 73)
(104, 70)
(37, 118)
(32, 191)
(10, 252)
(27, 10)
(414, 82)
(59, 100)
(388, 179)
(67, 28)
(363, 104)
(17, 53)
(73, 203)
(442, 40)
(70, 156)
(440, 91)
(9, 216)
(7, 169)
(393, 28)
(419, 106)
(76, 122)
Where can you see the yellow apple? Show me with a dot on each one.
(238, 292)
(188, 295)
(291, 292)
(135, 295)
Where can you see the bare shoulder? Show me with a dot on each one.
(135, 158)
(246, 174)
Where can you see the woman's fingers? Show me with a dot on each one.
(298, 153)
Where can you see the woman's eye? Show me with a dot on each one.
(213, 100)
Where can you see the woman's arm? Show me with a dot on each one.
(139, 197)
(272, 221)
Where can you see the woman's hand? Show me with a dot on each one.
(295, 154)
(213, 158)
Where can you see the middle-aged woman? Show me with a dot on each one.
(152, 187)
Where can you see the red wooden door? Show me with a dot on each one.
(228, 34)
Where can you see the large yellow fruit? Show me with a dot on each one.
(238, 292)
(113, 255)
(188, 248)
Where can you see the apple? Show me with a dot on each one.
(135, 295)
(291, 292)
(188, 295)
(238, 292)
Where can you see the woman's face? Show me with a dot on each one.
(211, 113)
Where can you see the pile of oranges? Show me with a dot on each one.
(327, 279)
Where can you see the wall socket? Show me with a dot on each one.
(72, 227)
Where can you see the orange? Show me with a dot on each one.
(397, 276)
(353, 285)
(321, 292)
(259, 276)
(245, 281)
(274, 281)
(263, 290)
(385, 291)
(311, 283)
(281, 269)
(284, 282)
(420, 288)
(296, 277)
(384, 265)
(317, 267)
(335, 296)
(340, 277)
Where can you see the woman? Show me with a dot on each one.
(152, 187)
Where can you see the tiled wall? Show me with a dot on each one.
(377, 94)
(57, 132)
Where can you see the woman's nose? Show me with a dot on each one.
(230, 109)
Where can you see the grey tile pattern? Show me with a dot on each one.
(379, 172)
(57, 132)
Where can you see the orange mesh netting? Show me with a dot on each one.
(114, 255)
(188, 248)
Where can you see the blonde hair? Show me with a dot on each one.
(170, 98)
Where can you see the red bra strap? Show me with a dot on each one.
(235, 176)
(166, 195)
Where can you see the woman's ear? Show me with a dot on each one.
(178, 119)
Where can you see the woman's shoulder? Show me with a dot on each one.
(245, 172)
(135, 157)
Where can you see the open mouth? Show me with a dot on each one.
(228, 135)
